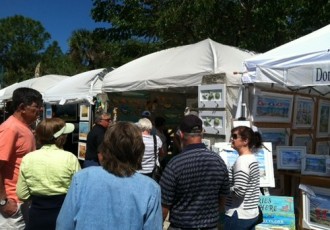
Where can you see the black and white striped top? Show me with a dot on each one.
(244, 179)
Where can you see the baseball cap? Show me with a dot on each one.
(146, 113)
(68, 128)
(191, 124)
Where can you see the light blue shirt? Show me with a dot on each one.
(100, 200)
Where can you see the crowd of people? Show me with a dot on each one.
(42, 186)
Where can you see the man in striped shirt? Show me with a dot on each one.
(195, 182)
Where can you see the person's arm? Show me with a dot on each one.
(11, 207)
(166, 210)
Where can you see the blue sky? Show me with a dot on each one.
(59, 17)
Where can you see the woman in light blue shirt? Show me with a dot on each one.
(114, 196)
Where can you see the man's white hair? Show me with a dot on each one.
(144, 124)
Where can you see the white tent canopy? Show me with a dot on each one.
(301, 63)
(182, 66)
(80, 87)
(39, 83)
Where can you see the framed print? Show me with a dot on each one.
(207, 143)
(48, 111)
(67, 112)
(212, 96)
(323, 119)
(84, 110)
(317, 165)
(263, 155)
(289, 157)
(271, 107)
(277, 136)
(303, 140)
(316, 208)
(84, 129)
(303, 112)
(214, 122)
(322, 148)
(81, 150)
(241, 123)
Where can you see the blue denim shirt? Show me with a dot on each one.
(100, 200)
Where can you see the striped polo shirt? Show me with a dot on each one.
(192, 184)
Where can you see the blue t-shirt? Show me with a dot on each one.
(98, 199)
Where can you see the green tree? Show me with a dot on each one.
(21, 42)
(250, 24)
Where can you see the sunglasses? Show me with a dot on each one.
(234, 136)
(108, 120)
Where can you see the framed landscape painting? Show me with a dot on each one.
(277, 136)
(303, 112)
(316, 208)
(303, 140)
(289, 157)
(316, 165)
(271, 107)
(81, 150)
(263, 155)
(322, 148)
(323, 120)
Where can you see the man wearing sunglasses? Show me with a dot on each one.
(195, 182)
(16, 140)
(95, 138)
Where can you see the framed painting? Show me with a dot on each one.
(322, 148)
(303, 140)
(263, 155)
(271, 107)
(214, 122)
(303, 112)
(241, 123)
(67, 112)
(316, 208)
(84, 129)
(81, 150)
(207, 143)
(289, 157)
(323, 119)
(212, 96)
(317, 165)
(277, 136)
(84, 112)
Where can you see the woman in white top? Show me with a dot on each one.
(149, 160)
(242, 203)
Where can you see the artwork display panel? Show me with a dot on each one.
(289, 157)
(322, 148)
(214, 122)
(81, 150)
(277, 136)
(212, 96)
(303, 112)
(323, 120)
(271, 107)
(84, 129)
(317, 165)
(316, 208)
(84, 111)
(303, 140)
(263, 155)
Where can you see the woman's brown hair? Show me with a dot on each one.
(46, 129)
(122, 149)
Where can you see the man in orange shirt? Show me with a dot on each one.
(16, 140)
